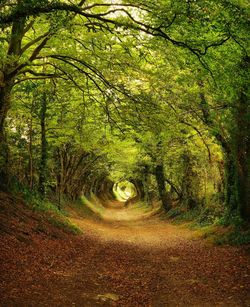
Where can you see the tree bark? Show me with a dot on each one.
(30, 148)
(242, 144)
(6, 84)
(230, 182)
(44, 153)
(140, 193)
(5, 92)
(160, 179)
(145, 180)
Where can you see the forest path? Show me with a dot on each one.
(141, 233)
(146, 262)
(153, 263)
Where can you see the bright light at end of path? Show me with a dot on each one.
(124, 190)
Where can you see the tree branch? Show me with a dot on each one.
(28, 45)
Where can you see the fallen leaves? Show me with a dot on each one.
(88, 271)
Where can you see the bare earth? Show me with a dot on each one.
(142, 263)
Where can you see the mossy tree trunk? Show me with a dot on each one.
(242, 144)
(5, 92)
(7, 79)
(237, 148)
(160, 179)
(145, 181)
(44, 149)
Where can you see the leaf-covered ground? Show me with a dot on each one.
(146, 263)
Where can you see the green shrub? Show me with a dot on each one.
(179, 214)
(54, 216)
(231, 218)
(174, 212)
(236, 237)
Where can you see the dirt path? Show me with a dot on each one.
(142, 263)
(152, 263)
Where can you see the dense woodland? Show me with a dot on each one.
(153, 92)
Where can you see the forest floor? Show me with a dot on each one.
(140, 263)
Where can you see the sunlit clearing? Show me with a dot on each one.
(124, 190)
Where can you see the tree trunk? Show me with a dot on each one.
(230, 182)
(243, 151)
(237, 164)
(237, 152)
(140, 193)
(30, 148)
(145, 180)
(44, 153)
(160, 179)
(5, 92)
(7, 77)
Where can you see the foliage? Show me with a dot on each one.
(179, 215)
(155, 93)
(34, 201)
(235, 237)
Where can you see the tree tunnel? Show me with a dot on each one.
(121, 200)
(105, 189)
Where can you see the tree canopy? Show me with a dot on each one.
(153, 92)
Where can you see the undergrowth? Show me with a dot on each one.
(180, 214)
(54, 215)
(237, 236)
(210, 223)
